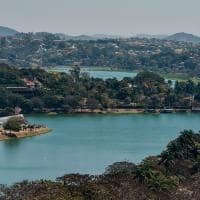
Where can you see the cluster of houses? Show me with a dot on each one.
(33, 84)
(30, 85)
(51, 50)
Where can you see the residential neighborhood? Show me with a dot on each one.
(47, 50)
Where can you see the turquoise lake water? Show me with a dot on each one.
(96, 73)
(88, 143)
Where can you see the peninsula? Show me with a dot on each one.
(17, 127)
(39, 91)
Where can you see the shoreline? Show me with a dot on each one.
(135, 111)
(122, 111)
(176, 76)
(26, 133)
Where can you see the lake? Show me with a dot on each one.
(98, 73)
(103, 74)
(87, 143)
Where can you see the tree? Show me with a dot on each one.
(161, 183)
(185, 147)
(13, 124)
(75, 73)
(121, 168)
(196, 165)
(143, 173)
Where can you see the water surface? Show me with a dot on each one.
(103, 74)
(87, 143)
(98, 73)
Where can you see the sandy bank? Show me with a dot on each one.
(27, 133)
(133, 111)
(109, 110)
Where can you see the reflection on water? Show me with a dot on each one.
(12, 143)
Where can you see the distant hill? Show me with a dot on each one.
(104, 36)
(82, 37)
(70, 37)
(184, 37)
(5, 31)
(150, 36)
(86, 37)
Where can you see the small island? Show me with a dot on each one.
(18, 127)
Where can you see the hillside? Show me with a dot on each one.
(86, 37)
(184, 37)
(148, 36)
(122, 53)
(5, 31)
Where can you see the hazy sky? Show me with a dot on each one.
(102, 16)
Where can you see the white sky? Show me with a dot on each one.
(120, 17)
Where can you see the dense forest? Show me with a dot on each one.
(35, 90)
(174, 174)
(45, 49)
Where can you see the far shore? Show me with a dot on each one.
(124, 111)
(176, 76)
(27, 133)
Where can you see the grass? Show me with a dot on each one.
(179, 77)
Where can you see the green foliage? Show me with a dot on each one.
(187, 87)
(144, 173)
(75, 73)
(64, 92)
(185, 147)
(148, 76)
(48, 50)
(147, 175)
(196, 165)
(160, 183)
(13, 124)
(121, 168)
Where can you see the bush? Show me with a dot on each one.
(121, 167)
(13, 124)
(160, 183)
(196, 165)
(185, 147)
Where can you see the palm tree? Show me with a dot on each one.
(143, 173)
(161, 183)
